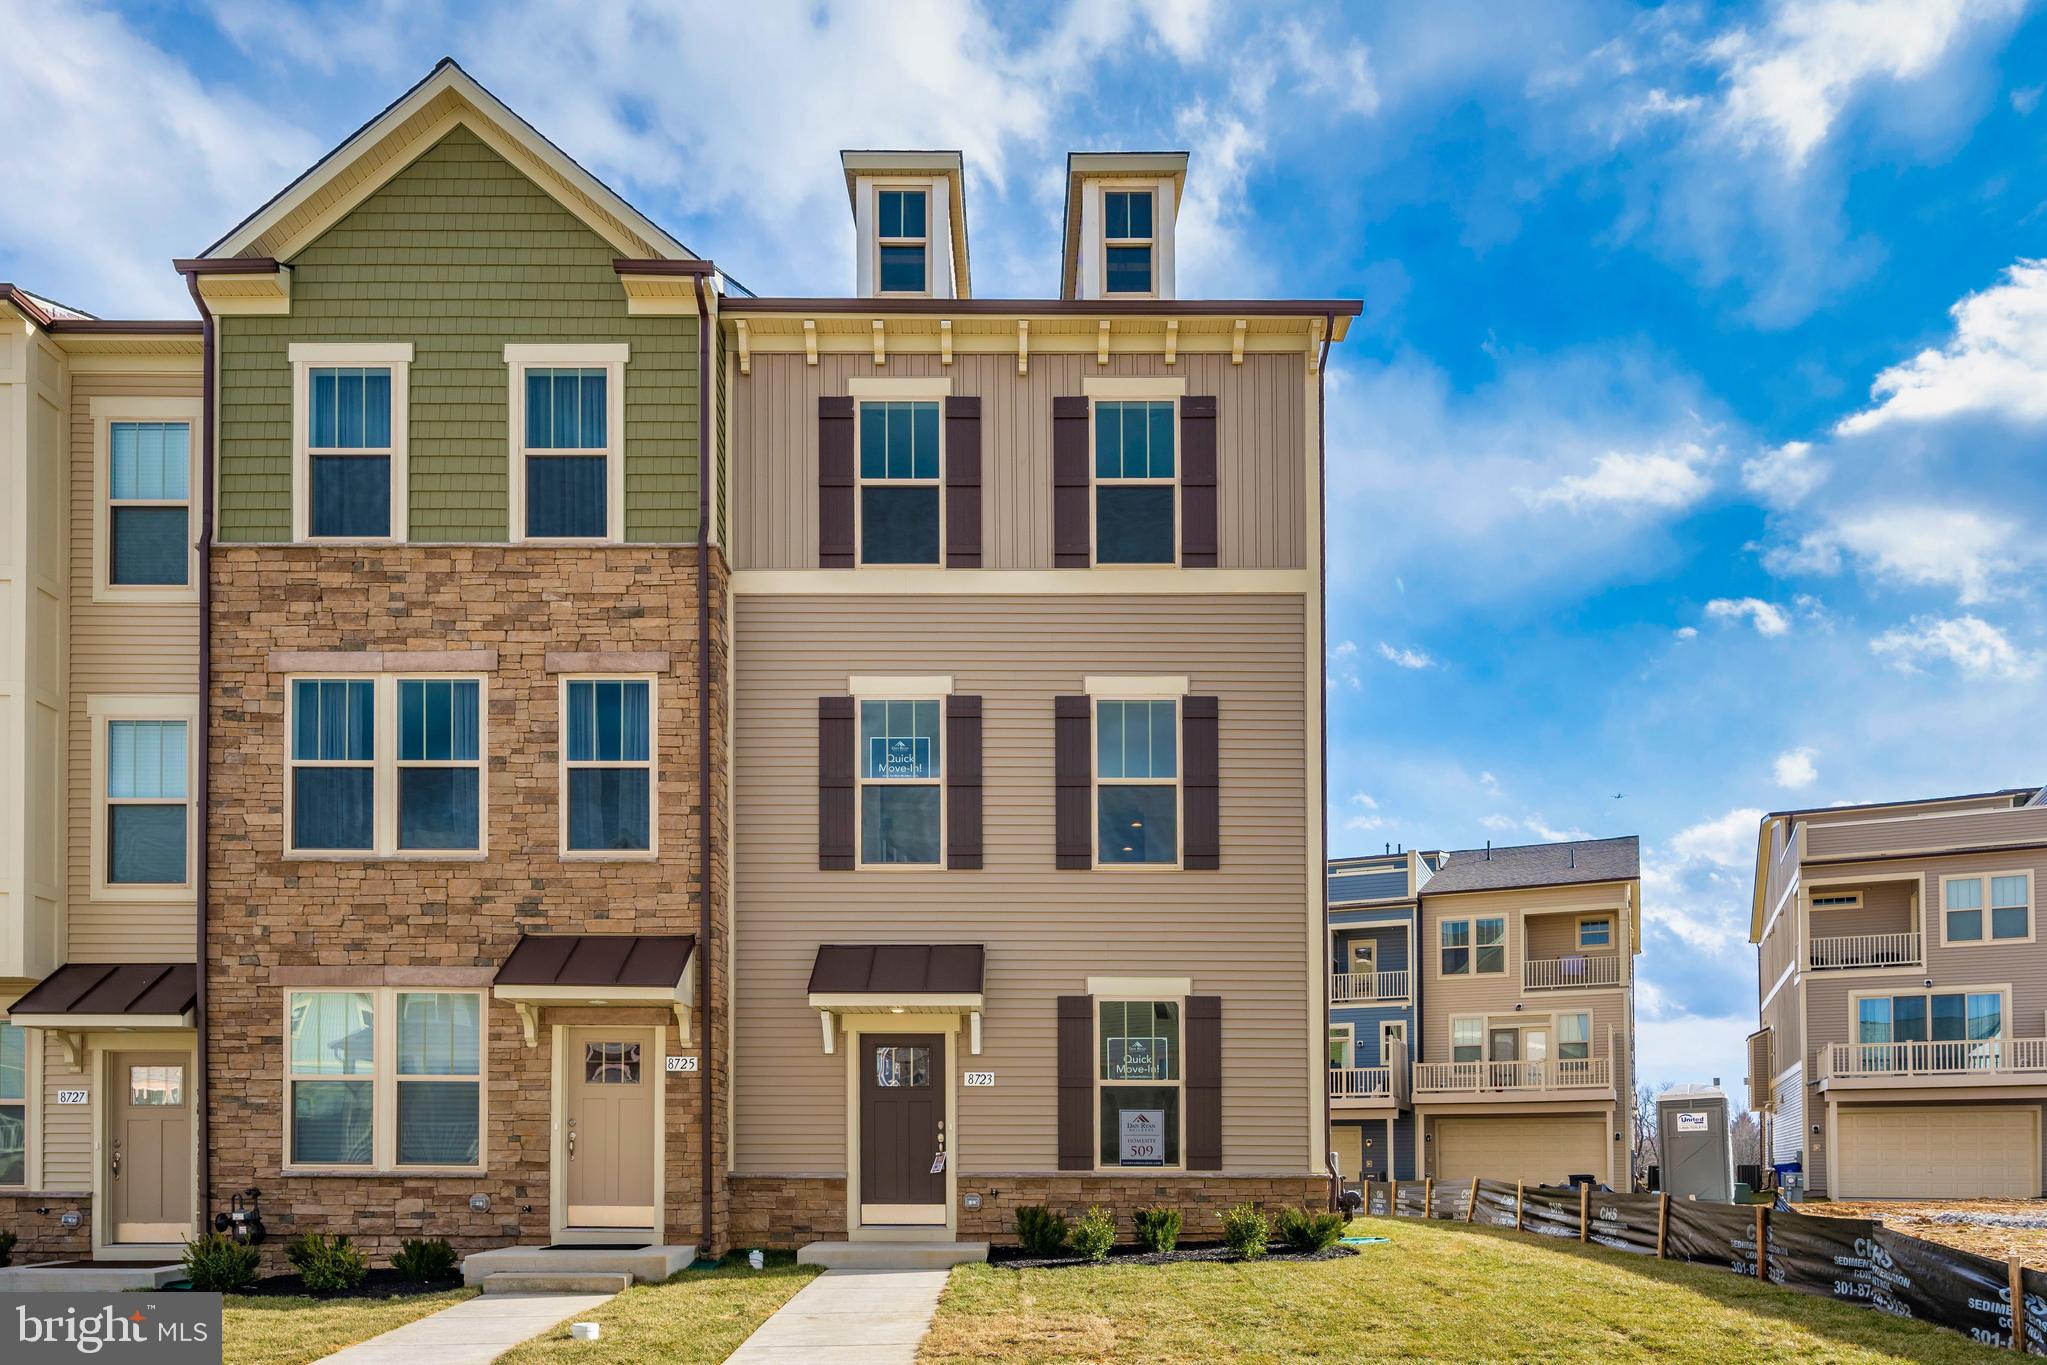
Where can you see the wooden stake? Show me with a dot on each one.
(1762, 1241)
(1519, 1196)
(2018, 1304)
(1585, 1212)
(1471, 1209)
(1428, 1196)
(1662, 1223)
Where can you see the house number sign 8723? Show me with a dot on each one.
(980, 1078)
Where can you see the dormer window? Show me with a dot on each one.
(1127, 241)
(902, 237)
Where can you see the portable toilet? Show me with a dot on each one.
(1695, 1144)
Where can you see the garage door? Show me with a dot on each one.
(1939, 1153)
(1541, 1151)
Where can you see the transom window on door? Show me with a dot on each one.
(608, 766)
(1474, 945)
(349, 449)
(13, 1104)
(149, 504)
(386, 765)
(1136, 489)
(1137, 782)
(1930, 1017)
(2006, 896)
(900, 769)
(900, 500)
(1139, 1081)
(384, 1078)
(902, 235)
(1127, 241)
(148, 839)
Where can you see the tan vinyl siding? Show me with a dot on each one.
(1979, 829)
(1241, 932)
(1260, 438)
(67, 1128)
(1886, 909)
(1556, 936)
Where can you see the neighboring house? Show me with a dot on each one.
(1902, 979)
(99, 682)
(1372, 1033)
(1527, 1012)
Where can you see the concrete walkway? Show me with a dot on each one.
(849, 1317)
(473, 1332)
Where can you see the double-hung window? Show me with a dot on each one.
(1127, 242)
(1992, 907)
(1574, 1037)
(349, 439)
(333, 765)
(900, 768)
(386, 765)
(1137, 782)
(143, 473)
(1136, 488)
(902, 241)
(1467, 1040)
(608, 767)
(1595, 931)
(1470, 945)
(440, 765)
(13, 1104)
(900, 498)
(568, 420)
(1490, 936)
(384, 1078)
(146, 841)
(1456, 936)
(1139, 1082)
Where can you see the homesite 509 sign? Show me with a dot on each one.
(1144, 1137)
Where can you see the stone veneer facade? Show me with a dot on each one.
(42, 1236)
(276, 923)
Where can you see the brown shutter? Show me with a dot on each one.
(835, 484)
(835, 824)
(1201, 782)
(1072, 545)
(1076, 1083)
(1203, 1021)
(963, 782)
(1197, 483)
(963, 483)
(1072, 735)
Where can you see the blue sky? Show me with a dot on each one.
(1686, 463)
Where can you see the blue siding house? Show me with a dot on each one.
(1372, 1034)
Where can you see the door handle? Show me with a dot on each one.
(116, 1173)
(572, 1142)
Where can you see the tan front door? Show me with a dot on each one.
(608, 1127)
(149, 1147)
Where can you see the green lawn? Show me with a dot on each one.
(1437, 1291)
(695, 1316)
(290, 1331)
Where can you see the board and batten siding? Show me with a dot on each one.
(119, 649)
(1261, 432)
(1241, 932)
(459, 253)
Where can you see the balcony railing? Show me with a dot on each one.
(1360, 1082)
(1865, 950)
(1575, 1073)
(1571, 973)
(1351, 988)
(1990, 1058)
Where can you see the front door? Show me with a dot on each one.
(902, 1128)
(1505, 1045)
(149, 1147)
(608, 1127)
(1392, 1034)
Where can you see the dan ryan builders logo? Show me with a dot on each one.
(163, 1329)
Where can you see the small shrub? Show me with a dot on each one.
(1042, 1232)
(1308, 1230)
(1094, 1234)
(218, 1265)
(326, 1265)
(1246, 1231)
(424, 1258)
(1157, 1229)
(7, 1240)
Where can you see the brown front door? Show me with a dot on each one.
(149, 1147)
(608, 1127)
(902, 1128)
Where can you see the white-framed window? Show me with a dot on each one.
(1963, 1015)
(1136, 481)
(1987, 907)
(144, 469)
(1574, 1037)
(385, 765)
(1137, 782)
(1129, 242)
(349, 409)
(144, 838)
(608, 777)
(900, 770)
(1342, 1046)
(16, 1090)
(568, 441)
(1364, 955)
(1837, 900)
(1595, 931)
(1467, 1038)
(1392, 1033)
(1139, 1083)
(902, 501)
(1474, 945)
(902, 237)
(384, 1078)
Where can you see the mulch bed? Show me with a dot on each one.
(1015, 1258)
(378, 1284)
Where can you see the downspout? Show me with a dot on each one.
(704, 921)
(1322, 681)
(200, 1087)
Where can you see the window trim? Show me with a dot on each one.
(1606, 916)
(1484, 1034)
(1147, 391)
(1365, 950)
(384, 1077)
(1107, 188)
(384, 766)
(1389, 1029)
(31, 1102)
(1472, 920)
(105, 410)
(1844, 900)
(902, 186)
(307, 356)
(612, 358)
(1556, 1034)
(1099, 1082)
(1988, 877)
(861, 780)
(923, 394)
(652, 764)
(100, 710)
(1350, 1046)
(1096, 781)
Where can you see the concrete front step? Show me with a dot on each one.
(557, 1282)
(648, 1265)
(891, 1255)
(79, 1277)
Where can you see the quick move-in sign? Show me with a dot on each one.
(1143, 1137)
(903, 756)
(1138, 1059)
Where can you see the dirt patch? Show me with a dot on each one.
(1988, 1227)
(1014, 1258)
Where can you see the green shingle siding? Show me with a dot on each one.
(459, 254)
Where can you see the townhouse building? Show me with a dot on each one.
(99, 694)
(1526, 1012)
(1901, 994)
(1372, 1033)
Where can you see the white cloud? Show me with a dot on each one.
(1995, 364)
(1785, 476)
(1686, 632)
(1405, 657)
(1815, 552)
(1363, 799)
(1337, 73)
(1794, 768)
(1767, 618)
(2025, 101)
(1499, 822)
(1969, 644)
(1364, 824)
(1968, 552)
(1660, 479)
(1728, 841)
(1688, 1048)
(1548, 833)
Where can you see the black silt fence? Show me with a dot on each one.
(1409, 1199)
(1624, 1222)
(1378, 1199)
(1712, 1234)
(1498, 1204)
(1450, 1201)
(1550, 1211)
